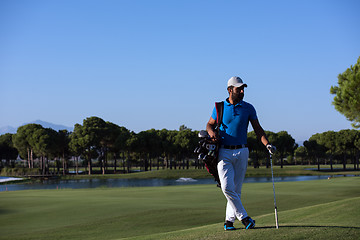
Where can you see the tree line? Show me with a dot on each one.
(109, 148)
(332, 148)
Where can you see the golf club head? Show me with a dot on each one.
(201, 156)
(203, 134)
(197, 150)
(210, 147)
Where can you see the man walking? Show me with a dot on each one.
(233, 152)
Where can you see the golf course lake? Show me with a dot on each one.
(119, 182)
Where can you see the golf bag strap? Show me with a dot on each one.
(219, 113)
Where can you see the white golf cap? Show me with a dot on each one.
(236, 82)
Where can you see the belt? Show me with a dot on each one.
(234, 146)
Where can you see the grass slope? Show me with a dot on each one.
(315, 222)
(324, 209)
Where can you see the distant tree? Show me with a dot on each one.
(121, 135)
(328, 140)
(300, 153)
(107, 143)
(285, 145)
(43, 143)
(87, 137)
(132, 144)
(185, 143)
(76, 146)
(257, 149)
(167, 146)
(142, 147)
(357, 145)
(355, 149)
(347, 94)
(22, 141)
(147, 145)
(314, 149)
(21, 144)
(62, 142)
(154, 145)
(7, 149)
(346, 144)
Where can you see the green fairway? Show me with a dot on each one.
(315, 222)
(324, 209)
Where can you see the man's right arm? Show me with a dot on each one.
(210, 128)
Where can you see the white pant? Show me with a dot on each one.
(232, 168)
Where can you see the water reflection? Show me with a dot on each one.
(96, 183)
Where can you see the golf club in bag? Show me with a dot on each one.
(207, 152)
(272, 176)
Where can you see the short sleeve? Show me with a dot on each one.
(252, 115)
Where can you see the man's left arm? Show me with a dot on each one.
(259, 131)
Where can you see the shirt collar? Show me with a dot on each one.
(238, 104)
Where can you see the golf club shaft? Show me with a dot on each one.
(272, 176)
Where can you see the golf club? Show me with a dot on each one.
(272, 176)
(203, 134)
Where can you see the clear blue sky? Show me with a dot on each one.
(160, 63)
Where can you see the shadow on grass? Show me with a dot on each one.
(307, 226)
(335, 170)
(4, 211)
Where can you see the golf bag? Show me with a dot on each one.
(208, 149)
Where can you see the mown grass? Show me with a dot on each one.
(307, 210)
(314, 222)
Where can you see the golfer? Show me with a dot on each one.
(233, 152)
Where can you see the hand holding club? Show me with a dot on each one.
(271, 148)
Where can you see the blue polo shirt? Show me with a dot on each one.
(236, 119)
